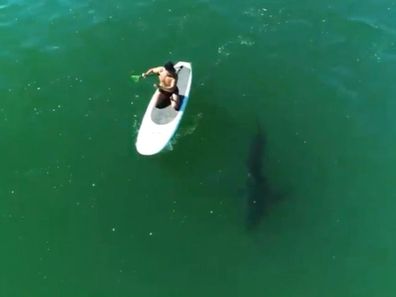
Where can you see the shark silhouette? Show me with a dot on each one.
(257, 186)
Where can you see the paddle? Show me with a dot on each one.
(136, 78)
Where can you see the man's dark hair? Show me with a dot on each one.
(170, 67)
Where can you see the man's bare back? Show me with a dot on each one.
(167, 84)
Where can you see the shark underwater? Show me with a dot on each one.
(257, 190)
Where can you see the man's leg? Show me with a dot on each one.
(162, 101)
(175, 101)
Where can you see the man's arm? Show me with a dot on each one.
(154, 70)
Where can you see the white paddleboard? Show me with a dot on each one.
(160, 124)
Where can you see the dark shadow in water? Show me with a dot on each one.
(218, 143)
(258, 191)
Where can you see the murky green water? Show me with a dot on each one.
(82, 214)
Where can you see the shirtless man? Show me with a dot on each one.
(167, 86)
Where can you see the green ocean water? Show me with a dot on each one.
(82, 214)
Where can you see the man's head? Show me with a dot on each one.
(170, 67)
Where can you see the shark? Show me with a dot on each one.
(257, 189)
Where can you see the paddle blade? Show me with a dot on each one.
(135, 77)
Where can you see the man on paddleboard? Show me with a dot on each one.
(167, 86)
